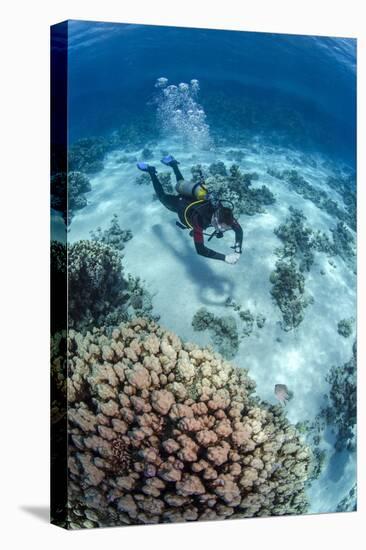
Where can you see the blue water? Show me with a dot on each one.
(307, 79)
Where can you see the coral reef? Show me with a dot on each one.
(349, 502)
(248, 321)
(341, 412)
(236, 156)
(345, 327)
(147, 154)
(235, 186)
(87, 154)
(113, 236)
(96, 283)
(58, 286)
(297, 239)
(223, 330)
(346, 186)
(164, 431)
(260, 320)
(143, 179)
(313, 432)
(288, 291)
(344, 243)
(319, 197)
(58, 376)
(217, 169)
(300, 241)
(125, 159)
(58, 259)
(68, 193)
(318, 464)
(246, 317)
(99, 293)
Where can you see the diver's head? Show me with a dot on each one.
(222, 218)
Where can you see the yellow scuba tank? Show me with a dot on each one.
(191, 189)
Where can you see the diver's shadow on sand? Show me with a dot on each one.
(198, 270)
(337, 463)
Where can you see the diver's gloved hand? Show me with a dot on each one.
(232, 258)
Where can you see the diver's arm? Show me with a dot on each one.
(236, 227)
(201, 249)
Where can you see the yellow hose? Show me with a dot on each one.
(189, 206)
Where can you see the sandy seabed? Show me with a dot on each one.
(181, 282)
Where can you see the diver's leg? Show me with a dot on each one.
(169, 201)
(172, 202)
(176, 171)
(169, 160)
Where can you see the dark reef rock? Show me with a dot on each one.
(246, 317)
(143, 179)
(260, 320)
(344, 243)
(345, 327)
(223, 330)
(235, 186)
(96, 283)
(99, 293)
(218, 169)
(288, 292)
(69, 190)
(346, 187)
(248, 322)
(87, 154)
(297, 239)
(113, 236)
(342, 408)
(236, 156)
(349, 502)
(147, 154)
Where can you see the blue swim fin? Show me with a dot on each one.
(168, 160)
(143, 166)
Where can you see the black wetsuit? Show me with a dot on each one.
(199, 216)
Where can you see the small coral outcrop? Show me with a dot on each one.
(96, 283)
(99, 291)
(87, 154)
(114, 236)
(223, 331)
(288, 292)
(68, 193)
(165, 431)
(345, 327)
(236, 187)
(341, 412)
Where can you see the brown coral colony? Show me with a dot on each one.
(164, 431)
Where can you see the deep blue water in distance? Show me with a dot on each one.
(113, 68)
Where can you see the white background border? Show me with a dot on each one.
(24, 397)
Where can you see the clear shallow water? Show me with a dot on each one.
(113, 68)
(287, 102)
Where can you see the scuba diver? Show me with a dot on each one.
(197, 210)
